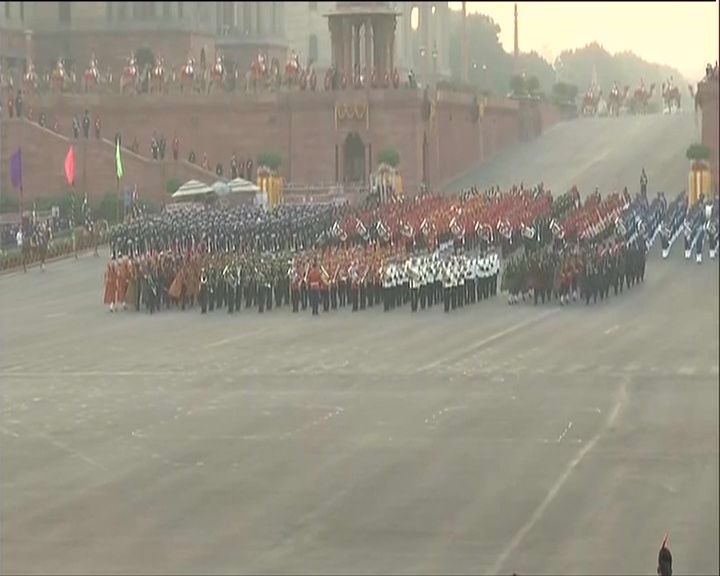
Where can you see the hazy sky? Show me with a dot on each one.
(682, 34)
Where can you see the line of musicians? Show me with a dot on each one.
(359, 278)
(421, 281)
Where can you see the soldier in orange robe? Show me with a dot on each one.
(123, 277)
(110, 295)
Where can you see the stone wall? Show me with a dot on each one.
(43, 159)
(309, 129)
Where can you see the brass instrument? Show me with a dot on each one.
(325, 276)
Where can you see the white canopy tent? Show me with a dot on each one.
(221, 188)
(192, 189)
(241, 186)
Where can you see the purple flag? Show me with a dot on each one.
(16, 169)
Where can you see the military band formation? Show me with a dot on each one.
(415, 254)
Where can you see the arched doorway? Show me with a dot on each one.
(354, 158)
(425, 160)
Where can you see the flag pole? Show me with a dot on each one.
(72, 219)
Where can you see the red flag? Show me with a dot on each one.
(70, 167)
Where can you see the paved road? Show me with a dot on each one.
(537, 440)
(506, 438)
(603, 152)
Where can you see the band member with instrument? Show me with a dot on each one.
(354, 286)
(314, 279)
(304, 288)
(325, 288)
(295, 282)
(334, 286)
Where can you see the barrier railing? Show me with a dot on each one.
(60, 248)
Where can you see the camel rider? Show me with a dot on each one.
(670, 84)
(615, 88)
(642, 85)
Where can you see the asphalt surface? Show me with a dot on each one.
(603, 152)
(492, 440)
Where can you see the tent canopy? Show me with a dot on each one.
(240, 186)
(192, 189)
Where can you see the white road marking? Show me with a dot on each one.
(611, 330)
(56, 315)
(552, 494)
(490, 339)
(70, 451)
(218, 343)
(567, 429)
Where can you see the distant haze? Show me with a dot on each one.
(681, 34)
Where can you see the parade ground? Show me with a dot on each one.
(491, 440)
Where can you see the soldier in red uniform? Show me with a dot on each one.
(314, 279)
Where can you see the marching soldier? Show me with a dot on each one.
(314, 281)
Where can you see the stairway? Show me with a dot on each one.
(43, 157)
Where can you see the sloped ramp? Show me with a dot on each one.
(604, 152)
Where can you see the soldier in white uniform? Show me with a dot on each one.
(469, 281)
(423, 288)
(413, 274)
(447, 284)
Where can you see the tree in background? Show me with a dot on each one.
(492, 68)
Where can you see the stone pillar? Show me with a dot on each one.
(356, 46)
(393, 28)
(336, 46)
(369, 64)
(378, 35)
(347, 49)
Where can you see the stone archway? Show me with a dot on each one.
(354, 161)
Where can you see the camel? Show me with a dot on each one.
(31, 81)
(590, 102)
(260, 76)
(93, 78)
(216, 75)
(59, 80)
(130, 78)
(6, 82)
(615, 100)
(158, 78)
(293, 72)
(189, 77)
(671, 98)
(641, 98)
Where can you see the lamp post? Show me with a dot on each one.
(484, 78)
(435, 61)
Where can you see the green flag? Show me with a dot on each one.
(118, 160)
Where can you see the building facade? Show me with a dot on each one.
(44, 31)
(113, 30)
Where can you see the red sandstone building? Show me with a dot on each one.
(708, 100)
(322, 136)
